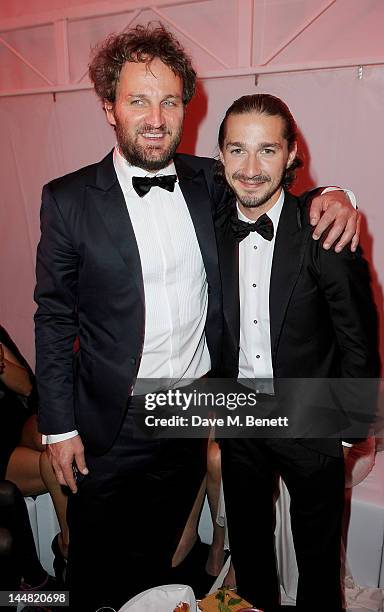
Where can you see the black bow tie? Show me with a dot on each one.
(143, 184)
(241, 229)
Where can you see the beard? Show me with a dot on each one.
(148, 157)
(252, 200)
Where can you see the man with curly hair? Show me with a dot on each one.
(127, 271)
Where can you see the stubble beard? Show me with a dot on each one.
(145, 156)
(255, 201)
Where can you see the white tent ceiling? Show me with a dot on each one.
(45, 45)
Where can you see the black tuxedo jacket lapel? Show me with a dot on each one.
(194, 188)
(106, 195)
(109, 200)
(286, 265)
(229, 266)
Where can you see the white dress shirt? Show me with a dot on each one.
(175, 282)
(255, 264)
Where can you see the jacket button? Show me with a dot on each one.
(133, 360)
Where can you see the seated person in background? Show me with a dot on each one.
(23, 460)
(19, 563)
(190, 551)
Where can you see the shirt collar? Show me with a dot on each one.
(125, 171)
(273, 213)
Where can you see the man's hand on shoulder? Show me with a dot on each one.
(66, 455)
(334, 211)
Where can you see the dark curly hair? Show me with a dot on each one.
(264, 104)
(139, 44)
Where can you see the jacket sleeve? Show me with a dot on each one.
(56, 320)
(345, 281)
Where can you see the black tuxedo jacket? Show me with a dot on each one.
(323, 321)
(90, 287)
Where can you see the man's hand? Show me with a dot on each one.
(64, 456)
(334, 207)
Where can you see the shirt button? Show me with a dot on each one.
(254, 285)
(255, 321)
(255, 247)
(257, 356)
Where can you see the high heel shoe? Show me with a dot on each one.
(59, 562)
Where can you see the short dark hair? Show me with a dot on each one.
(139, 44)
(266, 104)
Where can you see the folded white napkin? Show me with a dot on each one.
(161, 599)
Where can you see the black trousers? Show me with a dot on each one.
(128, 515)
(316, 486)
